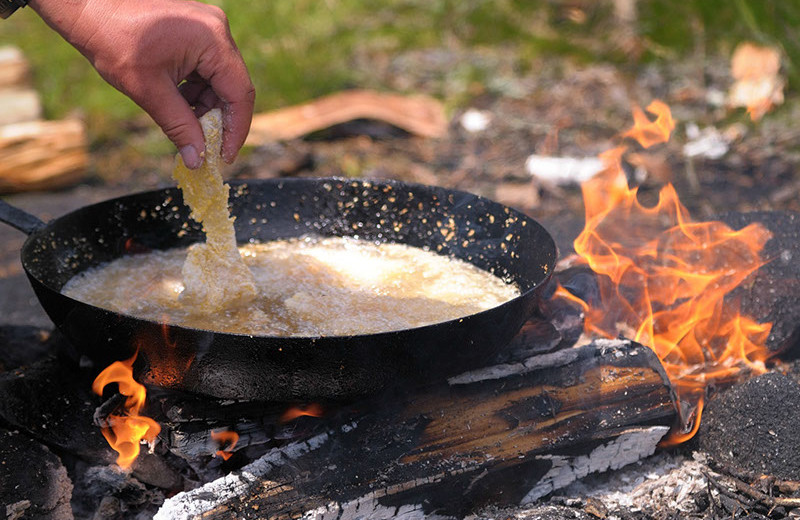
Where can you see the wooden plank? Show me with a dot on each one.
(502, 435)
(418, 115)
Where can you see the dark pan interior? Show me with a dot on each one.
(449, 222)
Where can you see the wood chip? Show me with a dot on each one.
(758, 85)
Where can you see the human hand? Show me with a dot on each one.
(147, 48)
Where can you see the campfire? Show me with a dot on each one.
(632, 334)
(663, 278)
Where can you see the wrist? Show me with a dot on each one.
(7, 7)
(61, 15)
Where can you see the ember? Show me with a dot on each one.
(311, 410)
(663, 277)
(124, 432)
(226, 440)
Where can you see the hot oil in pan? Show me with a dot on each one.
(306, 287)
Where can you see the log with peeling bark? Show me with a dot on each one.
(420, 115)
(507, 434)
(42, 154)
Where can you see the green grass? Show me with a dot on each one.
(295, 50)
(300, 49)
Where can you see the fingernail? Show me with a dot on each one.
(229, 158)
(190, 157)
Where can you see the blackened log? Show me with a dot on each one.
(504, 435)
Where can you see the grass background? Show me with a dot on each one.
(300, 49)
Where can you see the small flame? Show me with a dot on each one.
(310, 410)
(663, 277)
(649, 132)
(226, 440)
(126, 431)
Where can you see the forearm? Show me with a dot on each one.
(77, 20)
(60, 15)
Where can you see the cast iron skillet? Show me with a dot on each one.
(223, 365)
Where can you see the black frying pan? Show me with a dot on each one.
(223, 365)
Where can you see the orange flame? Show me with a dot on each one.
(128, 430)
(311, 410)
(663, 277)
(226, 440)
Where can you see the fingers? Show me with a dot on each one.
(230, 81)
(233, 92)
(200, 96)
(237, 116)
(238, 98)
(168, 108)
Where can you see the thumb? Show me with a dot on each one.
(177, 120)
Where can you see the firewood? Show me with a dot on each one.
(42, 154)
(507, 434)
(418, 115)
(18, 105)
(14, 68)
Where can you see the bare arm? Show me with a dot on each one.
(146, 48)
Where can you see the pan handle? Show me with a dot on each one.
(19, 219)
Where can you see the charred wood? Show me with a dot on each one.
(507, 434)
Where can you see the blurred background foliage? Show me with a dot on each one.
(300, 49)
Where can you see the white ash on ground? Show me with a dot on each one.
(664, 482)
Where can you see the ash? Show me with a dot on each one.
(664, 482)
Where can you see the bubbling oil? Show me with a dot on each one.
(305, 287)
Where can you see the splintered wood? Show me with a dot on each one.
(214, 274)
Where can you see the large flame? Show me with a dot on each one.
(127, 430)
(663, 277)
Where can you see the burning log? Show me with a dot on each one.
(510, 433)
